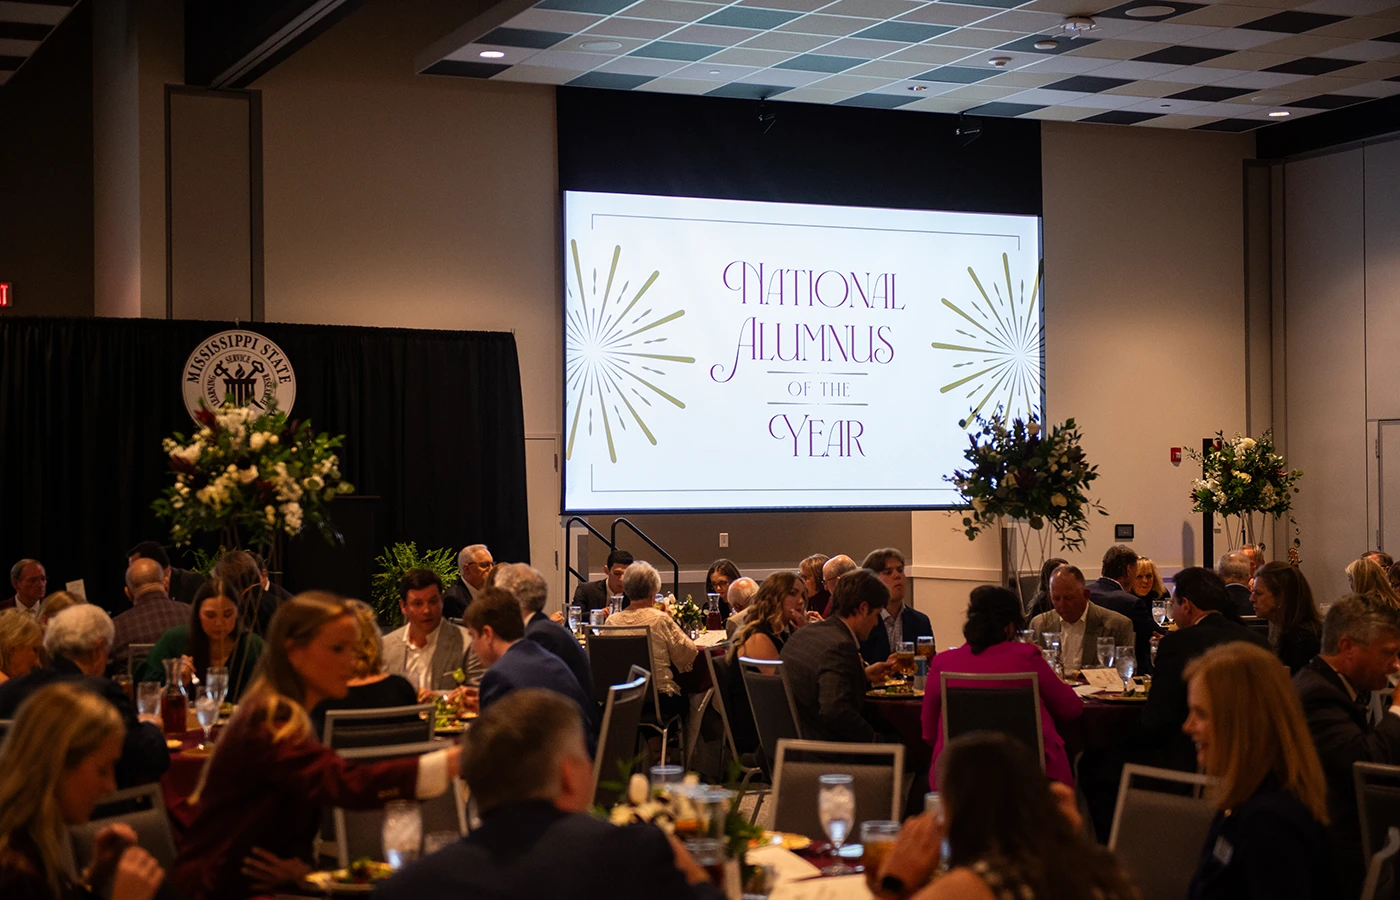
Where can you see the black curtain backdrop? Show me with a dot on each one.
(432, 420)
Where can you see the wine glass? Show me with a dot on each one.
(836, 805)
(206, 710)
(402, 833)
(216, 682)
(1161, 612)
(575, 613)
(1105, 650)
(1125, 661)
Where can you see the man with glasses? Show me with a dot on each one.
(30, 582)
(899, 622)
(472, 565)
(831, 573)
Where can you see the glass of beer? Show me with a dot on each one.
(877, 839)
(923, 646)
(904, 658)
(711, 854)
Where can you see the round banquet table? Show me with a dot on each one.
(180, 779)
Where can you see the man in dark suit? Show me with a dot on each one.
(473, 564)
(498, 636)
(1113, 591)
(78, 641)
(824, 666)
(532, 782)
(595, 594)
(1360, 640)
(1197, 606)
(898, 620)
(529, 588)
(1235, 570)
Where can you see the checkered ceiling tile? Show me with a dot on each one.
(24, 24)
(1230, 66)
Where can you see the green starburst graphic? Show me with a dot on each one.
(610, 352)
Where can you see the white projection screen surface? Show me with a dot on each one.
(727, 355)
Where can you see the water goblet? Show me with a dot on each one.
(402, 833)
(1161, 612)
(1125, 661)
(148, 701)
(575, 614)
(836, 807)
(1105, 650)
(216, 682)
(206, 710)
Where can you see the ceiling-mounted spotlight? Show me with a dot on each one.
(1078, 26)
(1047, 44)
(492, 54)
(1279, 114)
(969, 129)
(1000, 62)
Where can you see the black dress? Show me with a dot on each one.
(1297, 647)
(737, 698)
(392, 691)
(1269, 846)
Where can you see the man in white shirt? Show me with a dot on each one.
(473, 564)
(30, 582)
(1079, 622)
(741, 594)
(427, 651)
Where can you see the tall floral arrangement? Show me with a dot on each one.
(1244, 475)
(1022, 470)
(250, 477)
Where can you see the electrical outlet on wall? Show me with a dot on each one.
(724, 539)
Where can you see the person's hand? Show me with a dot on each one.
(813, 616)
(454, 761)
(691, 869)
(557, 618)
(138, 875)
(267, 870)
(1064, 799)
(107, 847)
(426, 695)
(186, 668)
(916, 851)
(877, 672)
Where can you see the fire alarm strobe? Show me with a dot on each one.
(6, 293)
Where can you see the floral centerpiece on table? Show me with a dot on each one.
(689, 616)
(665, 807)
(251, 477)
(1243, 476)
(1021, 470)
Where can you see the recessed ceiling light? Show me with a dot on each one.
(918, 87)
(1000, 62)
(491, 54)
(1046, 45)
(1165, 106)
(600, 45)
(1267, 99)
(1149, 12)
(714, 71)
(1279, 114)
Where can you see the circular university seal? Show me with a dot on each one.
(242, 366)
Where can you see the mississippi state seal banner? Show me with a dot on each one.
(432, 422)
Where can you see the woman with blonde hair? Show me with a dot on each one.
(1368, 578)
(260, 796)
(1269, 837)
(56, 603)
(1147, 583)
(57, 762)
(21, 644)
(371, 687)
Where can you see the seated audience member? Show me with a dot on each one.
(669, 644)
(898, 620)
(1079, 622)
(1113, 590)
(280, 594)
(428, 650)
(261, 793)
(818, 597)
(54, 768)
(29, 580)
(595, 594)
(1147, 583)
(993, 618)
(721, 575)
(1268, 838)
(831, 573)
(180, 584)
(473, 564)
(152, 611)
(1360, 639)
(512, 663)
(531, 591)
(1368, 578)
(1393, 575)
(531, 779)
(21, 644)
(1235, 570)
(1197, 609)
(741, 594)
(1040, 603)
(213, 636)
(244, 577)
(1281, 595)
(824, 667)
(766, 627)
(370, 687)
(1009, 833)
(1380, 558)
(77, 643)
(56, 603)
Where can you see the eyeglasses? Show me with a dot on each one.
(482, 565)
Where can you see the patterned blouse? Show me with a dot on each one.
(669, 645)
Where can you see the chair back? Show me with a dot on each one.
(383, 727)
(1001, 705)
(1381, 875)
(142, 808)
(617, 738)
(360, 833)
(770, 698)
(1159, 826)
(877, 770)
(1257, 624)
(1377, 802)
(719, 679)
(136, 658)
(612, 652)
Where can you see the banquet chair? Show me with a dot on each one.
(613, 652)
(719, 679)
(142, 808)
(1381, 875)
(770, 698)
(1013, 710)
(1377, 801)
(136, 658)
(382, 727)
(360, 833)
(1159, 826)
(877, 769)
(617, 738)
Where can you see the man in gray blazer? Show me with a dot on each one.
(1079, 622)
(427, 651)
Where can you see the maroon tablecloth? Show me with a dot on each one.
(180, 779)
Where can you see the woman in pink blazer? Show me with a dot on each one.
(993, 618)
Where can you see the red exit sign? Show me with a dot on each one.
(6, 296)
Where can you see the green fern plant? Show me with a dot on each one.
(393, 563)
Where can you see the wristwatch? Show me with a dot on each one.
(892, 886)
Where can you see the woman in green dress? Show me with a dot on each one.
(213, 638)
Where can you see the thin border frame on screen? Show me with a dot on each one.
(563, 276)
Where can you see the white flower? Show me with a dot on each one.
(189, 454)
(313, 484)
(270, 512)
(1033, 429)
(637, 789)
(168, 445)
(256, 440)
(1244, 476)
(291, 512)
(979, 504)
(1244, 445)
(177, 503)
(1059, 500)
(247, 476)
